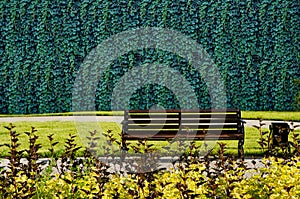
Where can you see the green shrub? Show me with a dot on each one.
(279, 180)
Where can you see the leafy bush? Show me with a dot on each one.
(279, 179)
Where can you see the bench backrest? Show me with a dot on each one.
(196, 124)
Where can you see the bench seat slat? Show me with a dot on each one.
(154, 116)
(184, 126)
(176, 115)
(212, 116)
(199, 136)
(161, 126)
(200, 120)
(210, 120)
(228, 110)
(211, 126)
(143, 121)
(175, 132)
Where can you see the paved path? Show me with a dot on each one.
(117, 119)
(267, 122)
(114, 166)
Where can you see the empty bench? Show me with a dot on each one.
(189, 124)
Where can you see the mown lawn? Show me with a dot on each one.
(60, 129)
(272, 115)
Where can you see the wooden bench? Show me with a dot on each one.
(189, 124)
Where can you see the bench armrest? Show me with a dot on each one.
(243, 121)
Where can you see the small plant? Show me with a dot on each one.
(18, 180)
(32, 152)
(295, 143)
(264, 137)
(52, 145)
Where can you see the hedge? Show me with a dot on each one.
(254, 44)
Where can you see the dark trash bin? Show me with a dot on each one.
(280, 134)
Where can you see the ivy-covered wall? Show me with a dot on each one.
(255, 45)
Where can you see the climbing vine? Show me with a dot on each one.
(254, 44)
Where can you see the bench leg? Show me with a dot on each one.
(241, 149)
(124, 150)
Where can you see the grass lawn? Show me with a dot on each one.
(98, 113)
(61, 130)
(272, 115)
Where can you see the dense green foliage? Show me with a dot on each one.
(255, 45)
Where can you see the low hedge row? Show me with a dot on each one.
(277, 179)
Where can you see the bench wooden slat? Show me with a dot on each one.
(176, 115)
(170, 136)
(183, 120)
(143, 121)
(162, 126)
(175, 132)
(154, 116)
(167, 126)
(212, 116)
(211, 126)
(211, 120)
(228, 110)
